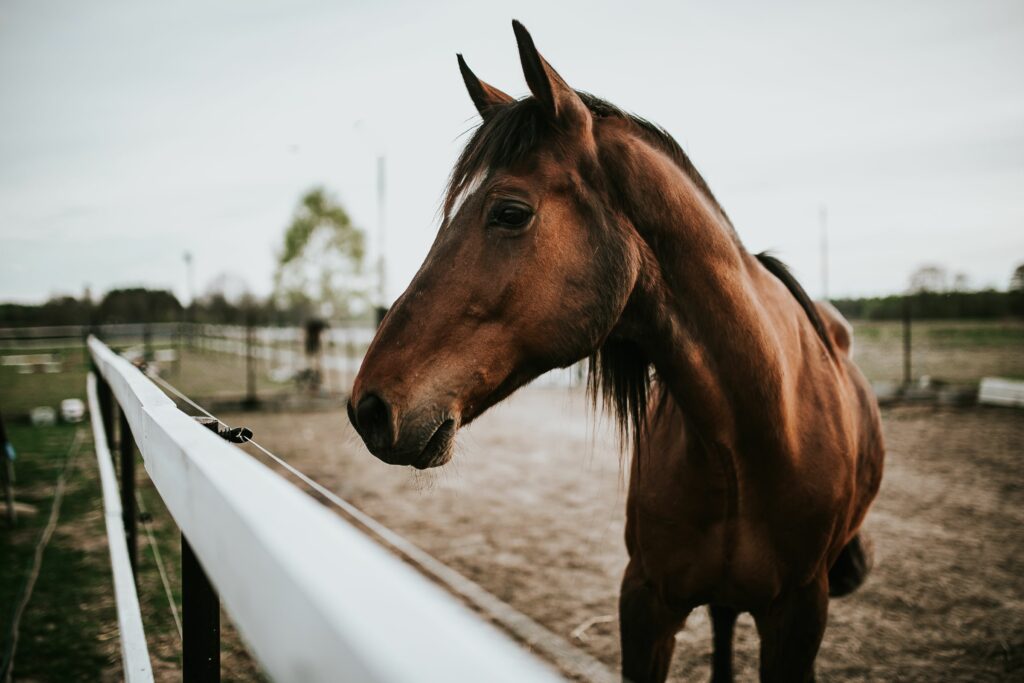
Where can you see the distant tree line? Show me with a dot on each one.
(160, 306)
(133, 305)
(140, 305)
(933, 294)
(935, 305)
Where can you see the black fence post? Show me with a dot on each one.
(7, 476)
(251, 401)
(106, 404)
(907, 376)
(147, 342)
(200, 607)
(126, 446)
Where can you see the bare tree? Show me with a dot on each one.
(1017, 279)
(929, 278)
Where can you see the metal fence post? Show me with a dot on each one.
(200, 607)
(126, 446)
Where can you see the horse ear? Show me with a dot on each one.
(485, 97)
(547, 86)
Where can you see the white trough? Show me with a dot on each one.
(998, 391)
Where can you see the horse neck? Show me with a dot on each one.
(697, 311)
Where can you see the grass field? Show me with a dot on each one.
(69, 631)
(956, 351)
(19, 393)
(199, 374)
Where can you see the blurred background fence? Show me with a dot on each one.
(244, 367)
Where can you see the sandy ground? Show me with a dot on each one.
(532, 508)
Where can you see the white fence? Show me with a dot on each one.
(341, 357)
(278, 349)
(313, 598)
(134, 651)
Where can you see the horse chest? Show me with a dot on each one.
(706, 534)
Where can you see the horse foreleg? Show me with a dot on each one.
(791, 629)
(647, 628)
(723, 620)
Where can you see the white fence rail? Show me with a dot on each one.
(134, 651)
(314, 599)
(342, 354)
(280, 349)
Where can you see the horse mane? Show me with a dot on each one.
(619, 372)
(781, 271)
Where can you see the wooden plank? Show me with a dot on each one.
(314, 598)
(134, 651)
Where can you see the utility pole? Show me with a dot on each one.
(190, 278)
(382, 303)
(190, 316)
(823, 222)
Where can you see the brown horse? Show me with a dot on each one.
(573, 230)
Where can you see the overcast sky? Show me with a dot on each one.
(131, 132)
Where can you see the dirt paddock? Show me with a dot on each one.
(532, 508)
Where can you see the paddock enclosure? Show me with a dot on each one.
(529, 516)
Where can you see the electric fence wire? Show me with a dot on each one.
(146, 520)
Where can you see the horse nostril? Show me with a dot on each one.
(373, 418)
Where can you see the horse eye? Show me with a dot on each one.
(510, 216)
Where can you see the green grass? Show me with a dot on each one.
(20, 393)
(66, 630)
(957, 351)
(69, 631)
(205, 374)
(975, 336)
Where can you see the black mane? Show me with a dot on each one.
(781, 271)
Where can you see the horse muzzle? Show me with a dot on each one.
(422, 438)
